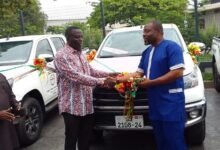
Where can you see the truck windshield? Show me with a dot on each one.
(130, 43)
(15, 52)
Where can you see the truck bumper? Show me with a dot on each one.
(105, 115)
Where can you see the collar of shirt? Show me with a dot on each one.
(71, 50)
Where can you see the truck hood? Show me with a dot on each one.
(14, 71)
(130, 64)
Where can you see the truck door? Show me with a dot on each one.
(48, 79)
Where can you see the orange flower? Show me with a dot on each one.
(194, 52)
(129, 89)
(91, 55)
(39, 64)
(120, 87)
(197, 52)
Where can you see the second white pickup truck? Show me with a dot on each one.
(216, 62)
(37, 93)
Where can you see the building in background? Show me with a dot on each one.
(60, 12)
(210, 15)
(214, 1)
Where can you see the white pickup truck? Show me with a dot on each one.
(121, 51)
(37, 93)
(216, 62)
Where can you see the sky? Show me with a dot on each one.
(67, 9)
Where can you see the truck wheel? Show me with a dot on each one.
(30, 126)
(216, 78)
(195, 134)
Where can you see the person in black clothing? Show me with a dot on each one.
(8, 135)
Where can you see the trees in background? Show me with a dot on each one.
(136, 12)
(34, 19)
(206, 35)
(92, 36)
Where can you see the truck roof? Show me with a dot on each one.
(140, 27)
(29, 37)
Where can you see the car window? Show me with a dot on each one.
(124, 43)
(58, 42)
(15, 52)
(171, 34)
(43, 47)
(130, 43)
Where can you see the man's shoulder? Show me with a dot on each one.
(2, 77)
(62, 51)
(171, 44)
(149, 47)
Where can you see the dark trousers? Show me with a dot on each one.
(78, 129)
(169, 135)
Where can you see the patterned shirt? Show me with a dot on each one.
(76, 79)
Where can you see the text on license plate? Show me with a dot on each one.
(136, 122)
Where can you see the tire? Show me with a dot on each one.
(216, 78)
(195, 134)
(30, 126)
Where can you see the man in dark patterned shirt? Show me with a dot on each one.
(76, 79)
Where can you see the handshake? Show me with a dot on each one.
(125, 78)
(115, 78)
(111, 80)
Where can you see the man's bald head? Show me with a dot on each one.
(153, 32)
(157, 25)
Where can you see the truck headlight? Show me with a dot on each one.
(191, 80)
(194, 114)
(11, 81)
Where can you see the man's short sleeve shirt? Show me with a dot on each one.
(167, 102)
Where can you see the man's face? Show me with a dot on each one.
(150, 34)
(75, 39)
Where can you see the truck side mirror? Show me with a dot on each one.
(47, 57)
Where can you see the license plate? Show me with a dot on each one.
(122, 122)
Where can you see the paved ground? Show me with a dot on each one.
(52, 137)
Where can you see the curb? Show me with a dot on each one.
(208, 84)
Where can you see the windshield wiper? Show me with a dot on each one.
(107, 56)
(122, 55)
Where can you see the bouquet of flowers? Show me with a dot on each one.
(39, 64)
(194, 52)
(91, 55)
(129, 89)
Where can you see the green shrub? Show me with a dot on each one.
(205, 57)
(207, 76)
(207, 34)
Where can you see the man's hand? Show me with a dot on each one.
(144, 84)
(109, 82)
(6, 115)
(114, 74)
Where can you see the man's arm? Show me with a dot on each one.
(64, 68)
(129, 76)
(165, 79)
(97, 73)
